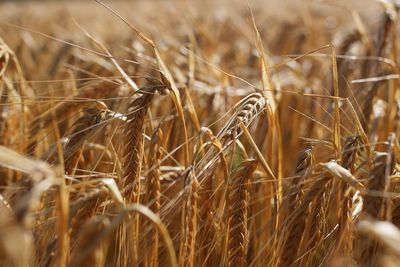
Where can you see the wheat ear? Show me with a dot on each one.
(238, 209)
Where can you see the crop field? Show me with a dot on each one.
(200, 133)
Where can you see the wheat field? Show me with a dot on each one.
(199, 133)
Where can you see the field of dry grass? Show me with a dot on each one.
(199, 133)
